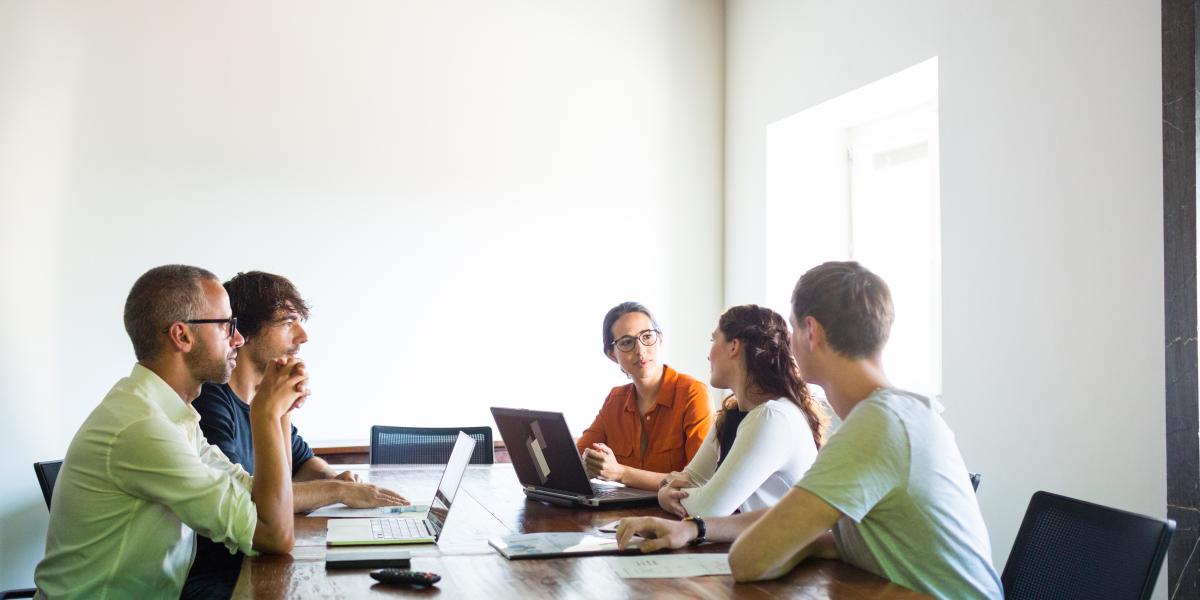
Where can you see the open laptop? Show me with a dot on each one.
(361, 532)
(548, 465)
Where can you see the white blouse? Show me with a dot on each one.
(773, 449)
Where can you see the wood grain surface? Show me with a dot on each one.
(490, 504)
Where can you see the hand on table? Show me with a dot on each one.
(656, 533)
(366, 495)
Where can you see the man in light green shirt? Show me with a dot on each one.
(139, 479)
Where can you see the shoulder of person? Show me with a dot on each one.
(146, 430)
(780, 411)
(618, 394)
(125, 404)
(882, 411)
(904, 404)
(214, 398)
(690, 386)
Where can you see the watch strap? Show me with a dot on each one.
(701, 531)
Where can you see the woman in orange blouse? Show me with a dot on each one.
(649, 427)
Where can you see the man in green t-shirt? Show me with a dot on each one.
(888, 492)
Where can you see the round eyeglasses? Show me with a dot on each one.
(626, 343)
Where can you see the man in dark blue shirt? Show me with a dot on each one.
(270, 313)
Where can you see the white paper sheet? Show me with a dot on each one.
(341, 511)
(655, 566)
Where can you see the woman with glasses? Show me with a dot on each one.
(653, 425)
(766, 435)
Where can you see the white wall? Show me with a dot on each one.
(1051, 167)
(460, 188)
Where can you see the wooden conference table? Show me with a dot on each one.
(490, 504)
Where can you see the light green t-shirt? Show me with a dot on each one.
(910, 514)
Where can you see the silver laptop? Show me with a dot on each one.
(548, 464)
(362, 532)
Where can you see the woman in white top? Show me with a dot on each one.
(777, 438)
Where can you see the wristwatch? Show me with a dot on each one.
(700, 531)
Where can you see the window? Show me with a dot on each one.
(894, 230)
(856, 178)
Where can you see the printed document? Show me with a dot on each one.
(655, 566)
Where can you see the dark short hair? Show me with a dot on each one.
(617, 312)
(255, 296)
(160, 297)
(853, 304)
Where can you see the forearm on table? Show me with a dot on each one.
(641, 479)
(311, 495)
(727, 529)
(793, 530)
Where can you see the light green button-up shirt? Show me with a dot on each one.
(138, 480)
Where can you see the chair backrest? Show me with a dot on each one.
(47, 474)
(1069, 548)
(426, 445)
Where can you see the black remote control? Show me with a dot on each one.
(405, 577)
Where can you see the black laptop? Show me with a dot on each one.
(548, 465)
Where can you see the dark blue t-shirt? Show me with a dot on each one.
(225, 422)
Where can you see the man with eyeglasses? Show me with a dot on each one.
(270, 314)
(139, 480)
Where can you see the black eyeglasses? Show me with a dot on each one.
(626, 343)
(230, 324)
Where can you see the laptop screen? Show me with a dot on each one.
(447, 488)
(542, 450)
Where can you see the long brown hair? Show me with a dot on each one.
(770, 366)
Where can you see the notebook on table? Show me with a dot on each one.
(547, 463)
(394, 530)
(557, 544)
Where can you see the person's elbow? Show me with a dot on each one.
(274, 540)
(747, 565)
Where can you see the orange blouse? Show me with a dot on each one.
(675, 425)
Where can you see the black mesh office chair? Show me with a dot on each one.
(1069, 548)
(426, 445)
(47, 474)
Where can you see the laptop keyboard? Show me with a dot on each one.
(608, 492)
(399, 529)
